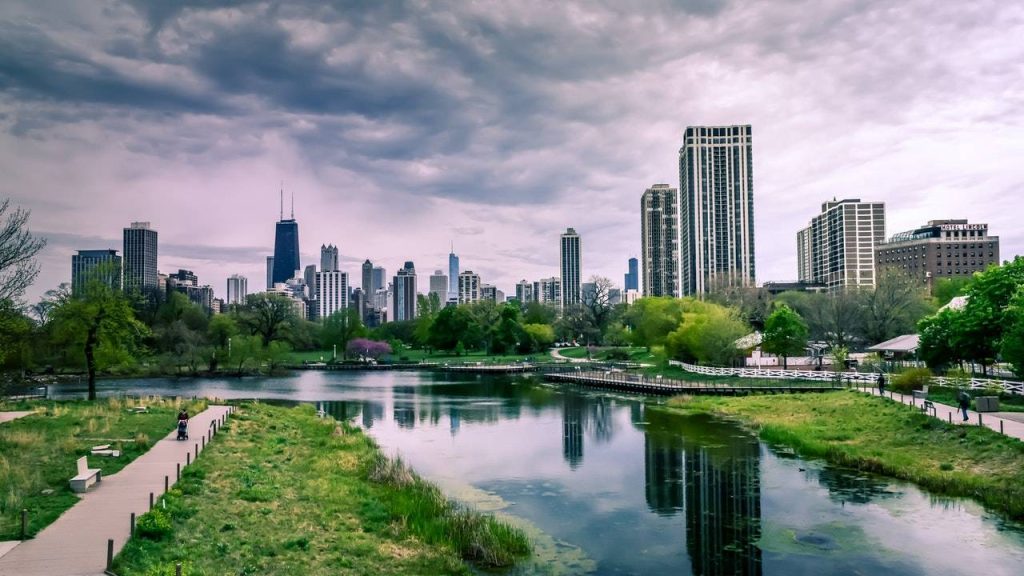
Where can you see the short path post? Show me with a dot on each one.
(177, 569)
(1001, 427)
(167, 483)
(150, 500)
(979, 418)
(110, 553)
(24, 523)
(197, 451)
(188, 458)
(177, 471)
(204, 442)
(132, 532)
(950, 415)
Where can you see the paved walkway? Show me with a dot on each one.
(76, 544)
(1008, 423)
(8, 416)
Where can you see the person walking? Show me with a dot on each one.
(881, 384)
(965, 402)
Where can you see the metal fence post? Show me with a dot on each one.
(132, 532)
(24, 523)
(150, 500)
(110, 553)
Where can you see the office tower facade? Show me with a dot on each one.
(439, 286)
(187, 283)
(270, 272)
(548, 291)
(331, 293)
(404, 294)
(632, 280)
(569, 264)
(368, 289)
(379, 278)
(839, 244)
(328, 258)
(524, 292)
(489, 292)
(940, 249)
(238, 289)
(286, 247)
(309, 278)
(469, 287)
(659, 240)
(453, 276)
(140, 257)
(716, 209)
(102, 266)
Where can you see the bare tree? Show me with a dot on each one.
(18, 248)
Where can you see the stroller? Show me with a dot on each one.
(182, 429)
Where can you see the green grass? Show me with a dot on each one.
(877, 435)
(38, 452)
(282, 492)
(610, 353)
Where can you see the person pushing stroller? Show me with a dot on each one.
(183, 425)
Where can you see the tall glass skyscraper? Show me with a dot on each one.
(453, 276)
(140, 253)
(569, 260)
(716, 209)
(659, 240)
(286, 247)
(404, 295)
(632, 276)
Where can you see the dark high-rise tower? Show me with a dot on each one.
(632, 276)
(286, 246)
(140, 258)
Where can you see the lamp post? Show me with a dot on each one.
(335, 352)
(229, 347)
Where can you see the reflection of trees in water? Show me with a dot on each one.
(572, 429)
(372, 411)
(711, 471)
(852, 486)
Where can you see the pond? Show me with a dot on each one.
(607, 483)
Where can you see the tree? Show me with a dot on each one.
(368, 349)
(752, 303)
(454, 325)
(537, 313)
(341, 328)
(945, 289)
(265, 315)
(577, 324)
(984, 317)
(540, 336)
(596, 302)
(508, 334)
(221, 329)
(831, 318)
(940, 337)
(18, 249)
(785, 333)
(707, 334)
(653, 319)
(1012, 344)
(15, 332)
(101, 322)
(894, 307)
(427, 309)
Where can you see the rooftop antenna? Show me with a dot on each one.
(282, 200)
(453, 246)
(293, 205)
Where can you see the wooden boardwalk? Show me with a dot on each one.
(666, 387)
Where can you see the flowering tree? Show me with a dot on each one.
(362, 347)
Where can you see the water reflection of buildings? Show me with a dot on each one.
(372, 411)
(710, 473)
(572, 429)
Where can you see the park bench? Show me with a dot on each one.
(927, 406)
(86, 476)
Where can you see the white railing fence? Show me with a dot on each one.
(1008, 386)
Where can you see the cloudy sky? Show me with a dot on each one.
(403, 126)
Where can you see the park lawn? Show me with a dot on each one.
(419, 355)
(38, 452)
(283, 492)
(874, 434)
(608, 353)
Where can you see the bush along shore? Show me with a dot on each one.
(38, 452)
(285, 492)
(876, 435)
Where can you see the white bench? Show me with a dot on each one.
(86, 476)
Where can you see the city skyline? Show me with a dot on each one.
(529, 123)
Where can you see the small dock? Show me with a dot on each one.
(641, 384)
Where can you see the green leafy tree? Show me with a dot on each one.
(246, 350)
(940, 339)
(597, 303)
(834, 318)
(16, 331)
(1012, 344)
(785, 333)
(99, 318)
(428, 306)
(266, 315)
(537, 313)
(221, 329)
(984, 317)
(509, 334)
(707, 334)
(541, 336)
(341, 328)
(651, 320)
(894, 307)
(454, 325)
(945, 289)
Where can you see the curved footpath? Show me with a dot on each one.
(1003, 422)
(76, 543)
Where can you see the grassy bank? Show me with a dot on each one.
(38, 452)
(281, 491)
(873, 434)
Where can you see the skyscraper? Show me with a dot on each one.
(837, 249)
(453, 276)
(331, 293)
(569, 262)
(368, 291)
(286, 246)
(404, 295)
(659, 244)
(140, 254)
(548, 291)
(328, 258)
(95, 265)
(632, 281)
(469, 287)
(439, 286)
(270, 272)
(524, 292)
(379, 278)
(716, 209)
(238, 288)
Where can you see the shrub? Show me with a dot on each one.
(911, 379)
(617, 354)
(153, 525)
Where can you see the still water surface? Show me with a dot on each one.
(611, 484)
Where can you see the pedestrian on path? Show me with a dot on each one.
(881, 384)
(965, 402)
